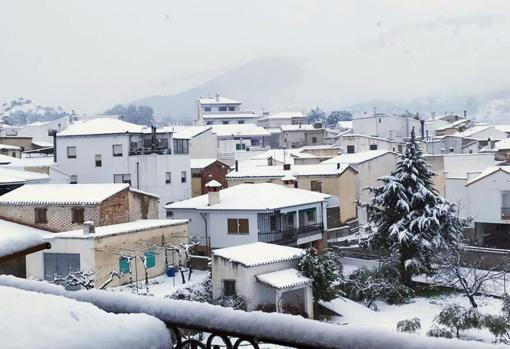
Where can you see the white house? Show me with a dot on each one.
(278, 119)
(221, 110)
(448, 144)
(113, 151)
(488, 202)
(393, 127)
(202, 141)
(39, 131)
(355, 143)
(295, 136)
(264, 275)
(249, 213)
(483, 132)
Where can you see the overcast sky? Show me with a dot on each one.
(89, 55)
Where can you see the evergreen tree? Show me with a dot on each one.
(315, 116)
(409, 218)
(324, 269)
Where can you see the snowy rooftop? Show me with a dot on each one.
(260, 196)
(281, 154)
(117, 229)
(37, 320)
(489, 171)
(42, 144)
(284, 115)
(103, 126)
(259, 253)
(345, 124)
(9, 147)
(17, 237)
(284, 279)
(202, 163)
(240, 130)
(503, 128)
(302, 127)
(503, 145)
(453, 124)
(11, 176)
(217, 100)
(186, 132)
(33, 161)
(357, 158)
(322, 169)
(61, 194)
(238, 115)
(473, 131)
(6, 159)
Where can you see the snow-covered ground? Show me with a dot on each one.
(163, 285)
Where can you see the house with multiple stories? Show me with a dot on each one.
(114, 151)
(221, 110)
(393, 127)
(299, 135)
(276, 120)
(202, 142)
(62, 207)
(354, 143)
(249, 213)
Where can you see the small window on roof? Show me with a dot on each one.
(77, 215)
(350, 149)
(71, 152)
(40, 215)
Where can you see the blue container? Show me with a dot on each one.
(170, 272)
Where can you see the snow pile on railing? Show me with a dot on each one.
(35, 320)
(275, 328)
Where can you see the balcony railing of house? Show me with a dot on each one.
(505, 212)
(291, 235)
(199, 325)
(146, 151)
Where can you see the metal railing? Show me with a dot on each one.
(291, 235)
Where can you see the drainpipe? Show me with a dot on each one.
(53, 133)
(137, 175)
(207, 242)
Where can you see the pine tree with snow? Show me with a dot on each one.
(324, 269)
(409, 218)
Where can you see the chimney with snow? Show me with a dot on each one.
(213, 192)
(217, 97)
(88, 228)
(289, 181)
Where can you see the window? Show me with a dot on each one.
(225, 122)
(180, 146)
(229, 288)
(71, 152)
(184, 177)
(238, 226)
(122, 178)
(373, 147)
(99, 161)
(316, 186)
(168, 177)
(13, 154)
(240, 122)
(117, 150)
(73, 179)
(231, 108)
(169, 214)
(207, 108)
(222, 108)
(150, 259)
(124, 266)
(77, 215)
(314, 139)
(350, 149)
(399, 147)
(209, 123)
(61, 264)
(40, 215)
(240, 146)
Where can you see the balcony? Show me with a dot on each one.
(199, 325)
(505, 212)
(292, 235)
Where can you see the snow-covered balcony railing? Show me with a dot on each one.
(291, 235)
(198, 325)
(505, 212)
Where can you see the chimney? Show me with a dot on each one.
(237, 165)
(213, 192)
(270, 161)
(422, 124)
(338, 166)
(217, 97)
(53, 133)
(289, 181)
(88, 228)
(465, 114)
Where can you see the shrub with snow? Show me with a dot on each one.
(197, 293)
(409, 325)
(234, 302)
(457, 318)
(325, 270)
(439, 331)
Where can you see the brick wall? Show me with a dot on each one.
(142, 206)
(216, 171)
(59, 217)
(115, 209)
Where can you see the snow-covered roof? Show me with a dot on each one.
(503, 128)
(17, 237)
(6, 159)
(38, 320)
(259, 196)
(33, 161)
(345, 124)
(489, 171)
(43, 144)
(186, 132)
(453, 124)
(9, 147)
(239, 130)
(118, 229)
(259, 253)
(217, 100)
(358, 135)
(284, 115)
(238, 115)
(13, 176)
(284, 279)
(213, 184)
(472, 131)
(503, 145)
(62, 194)
(102, 126)
(202, 163)
(301, 127)
(283, 155)
(318, 170)
(357, 158)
